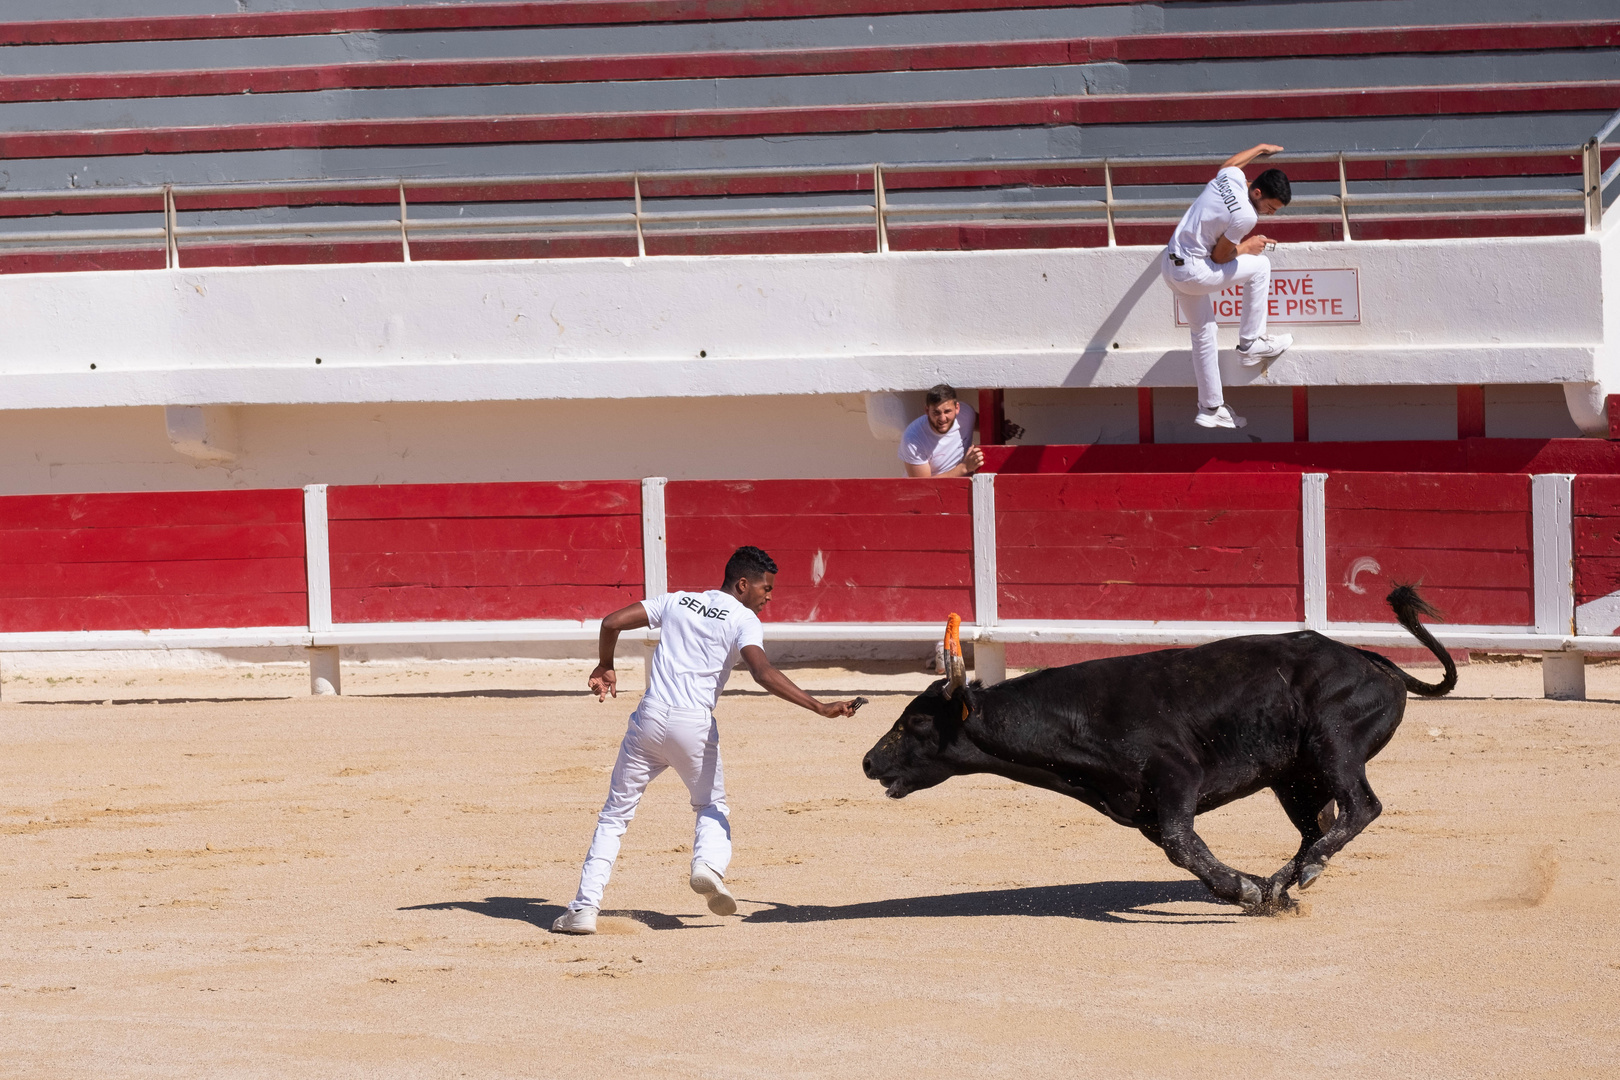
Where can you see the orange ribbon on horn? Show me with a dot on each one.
(955, 665)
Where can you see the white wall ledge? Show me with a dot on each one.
(1436, 312)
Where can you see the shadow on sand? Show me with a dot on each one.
(149, 700)
(1097, 901)
(537, 912)
(492, 692)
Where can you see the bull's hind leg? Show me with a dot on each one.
(1309, 805)
(1177, 798)
(1358, 808)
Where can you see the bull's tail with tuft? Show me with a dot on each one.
(1408, 605)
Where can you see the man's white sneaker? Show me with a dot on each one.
(1221, 417)
(1264, 348)
(711, 885)
(582, 921)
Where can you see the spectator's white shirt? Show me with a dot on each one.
(922, 445)
(1221, 209)
(701, 635)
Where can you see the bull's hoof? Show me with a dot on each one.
(1278, 905)
(1277, 884)
(1309, 874)
(1249, 895)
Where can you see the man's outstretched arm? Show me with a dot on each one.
(603, 680)
(766, 674)
(1239, 160)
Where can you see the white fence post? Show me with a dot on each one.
(1313, 547)
(654, 554)
(1563, 673)
(989, 657)
(325, 667)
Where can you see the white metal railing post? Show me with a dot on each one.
(171, 242)
(1108, 199)
(880, 208)
(1344, 198)
(404, 236)
(654, 551)
(641, 239)
(325, 669)
(1313, 547)
(1593, 178)
(1563, 672)
(989, 657)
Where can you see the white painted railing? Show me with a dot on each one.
(1553, 635)
(636, 220)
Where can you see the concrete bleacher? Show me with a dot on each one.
(167, 93)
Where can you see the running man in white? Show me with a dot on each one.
(701, 636)
(1211, 251)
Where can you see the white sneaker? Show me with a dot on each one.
(1221, 417)
(1264, 348)
(582, 921)
(707, 882)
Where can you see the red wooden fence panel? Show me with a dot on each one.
(895, 550)
(1465, 537)
(1596, 505)
(478, 552)
(161, 560)
(1192, 546)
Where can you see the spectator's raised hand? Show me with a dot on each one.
(973, 459)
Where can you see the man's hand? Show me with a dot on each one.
(973, 461)
(604, 683)
(1253, 245)
(832, 709)
(1266, 149)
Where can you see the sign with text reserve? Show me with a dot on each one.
(1297, 296)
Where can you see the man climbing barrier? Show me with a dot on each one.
(1211, 251)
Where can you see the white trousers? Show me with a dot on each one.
(659, 738)
(1196, 283)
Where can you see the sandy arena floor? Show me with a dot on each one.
(222, 877)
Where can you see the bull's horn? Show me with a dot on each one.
(955, 666)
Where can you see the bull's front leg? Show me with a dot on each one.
(1176, 795)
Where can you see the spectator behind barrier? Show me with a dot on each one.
(940, 442)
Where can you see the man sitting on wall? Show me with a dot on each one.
(1211, 251)
(940, 442)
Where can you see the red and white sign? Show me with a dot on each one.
(1297, 296)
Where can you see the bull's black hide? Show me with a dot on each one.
(1155, 739)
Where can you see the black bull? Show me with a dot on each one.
(1155, 739)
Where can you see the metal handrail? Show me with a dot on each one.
(871, 178)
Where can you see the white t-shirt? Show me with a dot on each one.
(922, 445)
(701, 635)
(1221, 209)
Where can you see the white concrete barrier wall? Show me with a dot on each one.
(1440, 312)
